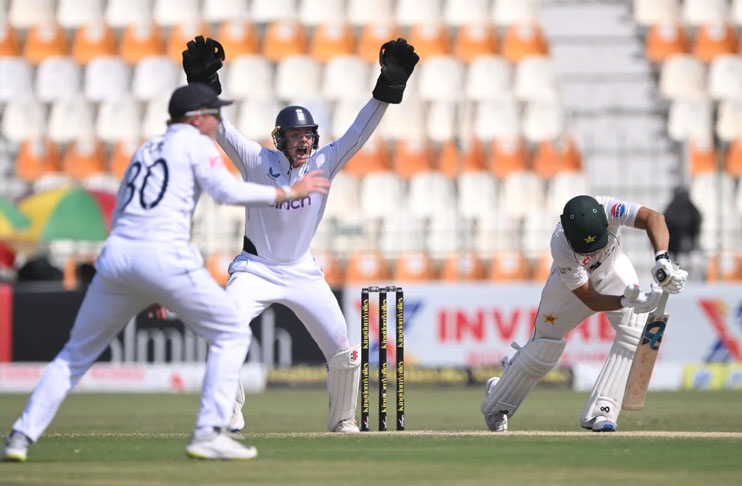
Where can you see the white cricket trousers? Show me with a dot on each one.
(254, 284)
(561, 310)
(130, 277)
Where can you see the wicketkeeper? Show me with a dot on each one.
(590, 274)
(275, 265)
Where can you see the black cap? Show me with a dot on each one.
(585, 224)
(192, 97)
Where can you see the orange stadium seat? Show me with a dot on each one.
(430, 40)
(330, 40)
(413, 266)
(373, 36)
(83, 158)
(733, 159)
(701, 155)
(373, 157)
(121, 155)
(411, 156)
(475, 40)
(462, 266)
(331, 267)
(506, 266)
(554, 156)
(541, 268)
(666, 40)
(238, 37)
(218, 265)
(449, 160)
(93, 40)
(37, 157)
(9, 45)
(179, 37)
(472, 152)
(366, 266)
(45, 40)
(284, 38)
(507, 156)
(725, 267)
(522, 41)
(139, 41)
(712, 40)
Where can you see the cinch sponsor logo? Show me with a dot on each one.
(295, 204)
(617, 210)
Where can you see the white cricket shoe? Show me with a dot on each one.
(496, 422)
(219, 446)
(237, 422)
(603, 424)
(347, 426)
(15, 448)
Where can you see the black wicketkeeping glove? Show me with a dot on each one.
(202, 60)
(397, 59)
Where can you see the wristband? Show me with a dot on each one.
(624, 302)
(662, 254)
(287, 193)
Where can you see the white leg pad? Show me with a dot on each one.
(530, 363)
(344, 373)
(607, 394)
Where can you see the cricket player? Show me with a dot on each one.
(275, 265)
(590, 274)
(148, 258)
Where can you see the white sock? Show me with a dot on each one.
(206, 433)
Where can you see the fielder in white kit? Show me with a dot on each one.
(275, 265)
(148, 258)
(589, 274)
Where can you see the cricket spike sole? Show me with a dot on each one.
(645, 357)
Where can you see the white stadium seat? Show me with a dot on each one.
(441, 79)
(682, 77)
(543, 121)
(344, 200)
(345, 113)
(298, 77)
(690, 118)
(382, 193)
(122, 13)
(441, 122)
(218, 11)
(345, 77)
(535, 80)
(57, 78)
(70, 119)
(699, 12)
(22, 119)
(318, 12)
(496, 119)
(651, 12)
(412, 12)
(489, 78)
(249, 76)
(169, 13)
(119, 119)
(405, 120)
(16, 80)
(266, 11)
(72, 14)
(155, 117)
(725, 77)
(257, 117)
(106, 78)
(736, 12)
(154, 77)
(477, 194)
(363, 12)
(465, 12)
(515, 12)
(729, 120)
(522, 193)
(24, 14)
(430, 193)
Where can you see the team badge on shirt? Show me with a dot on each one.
(550, 318)
(617, 210)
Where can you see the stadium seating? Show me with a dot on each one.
(91, 41)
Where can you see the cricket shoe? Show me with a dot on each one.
(237, 422)
(604, 424)
(347, 426)
(219, 446)
(496, 422)
(16, 447)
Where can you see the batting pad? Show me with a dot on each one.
(607, 395)
(529, 364)
(344, 372)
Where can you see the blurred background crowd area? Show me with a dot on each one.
(515, 106)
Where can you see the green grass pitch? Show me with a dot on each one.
(679, 438)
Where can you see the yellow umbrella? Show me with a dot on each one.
(11, 220)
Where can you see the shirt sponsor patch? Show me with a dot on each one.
(618, 210)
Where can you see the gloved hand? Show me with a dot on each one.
(668, 275)
(201, 61)
(397, 59)
(640, 301)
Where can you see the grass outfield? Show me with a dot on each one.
(679, 438)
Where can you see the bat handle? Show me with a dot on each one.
(660, 310)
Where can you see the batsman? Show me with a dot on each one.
(589, 274)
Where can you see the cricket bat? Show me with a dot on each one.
(645, 357)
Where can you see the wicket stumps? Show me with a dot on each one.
(399, 355)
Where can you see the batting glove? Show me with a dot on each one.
(397, 59)
(201, 61)
(668, 275)
(641, 302)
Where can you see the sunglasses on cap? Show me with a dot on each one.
(216, 112)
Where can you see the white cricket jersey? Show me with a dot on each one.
(164, 180)
(282, 233)
(575, 269)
